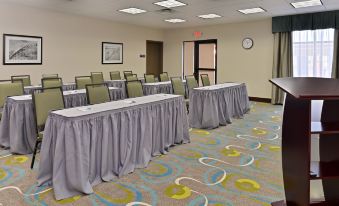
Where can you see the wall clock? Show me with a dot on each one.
(247, 43)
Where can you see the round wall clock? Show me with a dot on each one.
(247, 43)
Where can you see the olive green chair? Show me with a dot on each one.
(97, 77)
(132, 77)
(179, 88)
(115, 75)
(149, 78)
(191, 83)
(43, 103)
(82, 81)
(44, 76)
(25, 79)
(127, 73)
(7, 89)
(164, 77)
(205, 80)
(51, 83)
(97, 93)
(134, 89)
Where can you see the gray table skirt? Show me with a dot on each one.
(78, 153)
(18, 127)
(119, 84)
(66, 87)
(213, 108)
(157, 89)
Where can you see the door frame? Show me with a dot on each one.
(162, 54)
(196, 58)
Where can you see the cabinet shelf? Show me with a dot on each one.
(324, 170)
(325, 128)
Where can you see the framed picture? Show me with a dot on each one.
(112, 53)
(19, 49)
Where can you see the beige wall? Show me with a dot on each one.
(72, 44)
(254, 66)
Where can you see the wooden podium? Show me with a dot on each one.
(298, 170)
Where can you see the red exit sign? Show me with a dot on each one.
(197, 34)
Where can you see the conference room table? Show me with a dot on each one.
(159, 87)
(85, 146)
(216, 105)
(18, 127)
(65, 87)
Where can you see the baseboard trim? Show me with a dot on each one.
(260, 99)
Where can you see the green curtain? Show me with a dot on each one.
(335, 66)
(282, 62)
(309, 21)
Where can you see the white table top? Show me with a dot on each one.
(70, 92)
(157, 83)
(39, 86)
(108, 106)
(218, 86)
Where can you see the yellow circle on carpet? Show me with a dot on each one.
(127, 197)
(259, 131)
(275, 148)
(178, 192)
(68, 200)
(3, 174)
(200, 132)
(247, 185)
(230, 152)
(156, 169)
(16, 160)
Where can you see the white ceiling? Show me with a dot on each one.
(108, 9)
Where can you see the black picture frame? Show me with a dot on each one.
(34, 50)
(116, 53)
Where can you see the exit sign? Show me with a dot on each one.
(197, 34)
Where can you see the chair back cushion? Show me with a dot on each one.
(10, 89)
(149, 78)
(50, 76)
(132, 77)
(97, 93)
(127, 73)
(81, 82)
(115, 75)
(51, 82)
(191, 82)
(97, 78)
(164, 77)
(205, 80)
(26, 80)
(134, 89)
(178, 86)
(44, 102)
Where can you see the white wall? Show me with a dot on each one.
(71, 43)
(254, 66)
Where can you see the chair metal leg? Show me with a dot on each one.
(34, 153)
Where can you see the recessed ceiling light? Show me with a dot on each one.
(133, 11)
(170, 3)
(175, 20)
(252, 10)
(302, 4)
(209, 16)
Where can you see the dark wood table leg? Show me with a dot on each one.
(296, 150)
(329, 149)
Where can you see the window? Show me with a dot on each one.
(313, 53)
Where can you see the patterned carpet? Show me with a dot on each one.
(239, 164)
